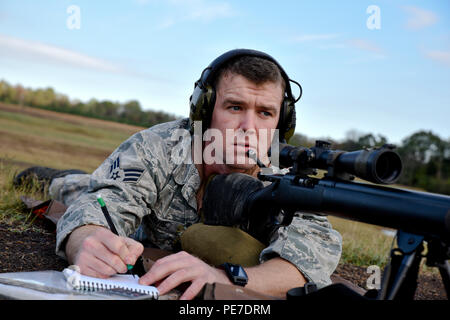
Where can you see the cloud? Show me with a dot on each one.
(442, 57)
(142, 2)
(38, 52)
(327, 42)
(314, 37)
(194, 10)
(210, 11)
(33, 50)
(419, 18)
(366, 45)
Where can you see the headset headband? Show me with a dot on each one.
(210, 72)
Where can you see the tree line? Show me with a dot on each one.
(129, 112)
(426, 156)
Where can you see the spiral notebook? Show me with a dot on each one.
(119, 284)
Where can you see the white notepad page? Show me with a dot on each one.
(118, 281)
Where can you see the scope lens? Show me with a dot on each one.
(388, 167)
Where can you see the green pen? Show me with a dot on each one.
(111, 225)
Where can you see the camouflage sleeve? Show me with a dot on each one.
(128, 182)
(310, 244)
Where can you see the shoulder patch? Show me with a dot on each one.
(125, 175)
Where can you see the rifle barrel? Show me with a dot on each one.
(421, 213)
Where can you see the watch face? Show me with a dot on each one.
(237, 274)
(238, 271)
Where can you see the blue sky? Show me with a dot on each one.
(391, 80)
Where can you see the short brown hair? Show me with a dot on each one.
(255, 69)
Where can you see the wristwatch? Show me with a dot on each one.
(236, 273)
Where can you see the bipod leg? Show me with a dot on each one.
(400, 278)
(445, 275)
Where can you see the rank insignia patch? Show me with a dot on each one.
(125, 175)
(132, 175)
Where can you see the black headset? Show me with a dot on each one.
(203, 98)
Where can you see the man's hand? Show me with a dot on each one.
(99, 252)
(181, 267)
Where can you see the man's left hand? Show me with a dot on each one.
(181, 267)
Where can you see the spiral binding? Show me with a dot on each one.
(115, 289)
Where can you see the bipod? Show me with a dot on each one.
(400, 275)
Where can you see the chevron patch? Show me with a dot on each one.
(132, 175)
(125, 175)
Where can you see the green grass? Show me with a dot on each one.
(363, 244)
(12, 209)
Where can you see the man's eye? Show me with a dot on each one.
(235, 108)
(266, 113)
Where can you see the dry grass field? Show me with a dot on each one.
(30, 136)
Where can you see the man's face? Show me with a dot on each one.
(248, 111)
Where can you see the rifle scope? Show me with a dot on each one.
(379, 165)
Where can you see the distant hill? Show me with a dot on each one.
(129, 112)
(33, 136)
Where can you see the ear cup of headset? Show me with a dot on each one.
(200, 102)
(287, 127)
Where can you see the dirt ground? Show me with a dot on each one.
(34, 250)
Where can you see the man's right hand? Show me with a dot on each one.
(99, 252)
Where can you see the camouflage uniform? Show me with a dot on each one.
(149, 185)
